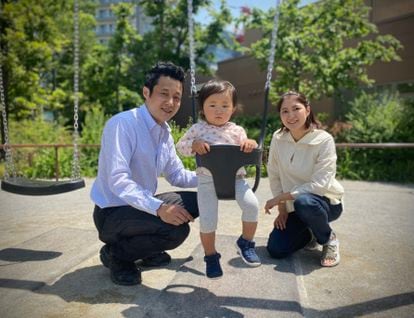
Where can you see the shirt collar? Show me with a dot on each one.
(314, 137)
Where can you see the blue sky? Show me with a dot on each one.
(235, 6)
(262, 4)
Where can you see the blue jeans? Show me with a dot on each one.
(312, 212)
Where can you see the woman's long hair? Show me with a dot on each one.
(311, 120)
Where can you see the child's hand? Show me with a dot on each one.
(200, 147)
(248, 145)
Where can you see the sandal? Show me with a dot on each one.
(330, 252)
(312, 245)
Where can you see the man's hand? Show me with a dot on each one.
(200, 147)
(174, 214)
(248, 145)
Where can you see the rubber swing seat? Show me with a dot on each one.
(25, 186)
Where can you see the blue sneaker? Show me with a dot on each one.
(213, 268)
(247, 252)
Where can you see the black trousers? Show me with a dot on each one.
(133, 234)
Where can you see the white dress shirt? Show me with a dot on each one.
(135, 151)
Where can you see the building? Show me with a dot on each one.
(395, 18)
(106, 20)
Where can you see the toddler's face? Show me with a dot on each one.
(218, 108)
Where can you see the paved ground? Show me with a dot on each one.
(49, 265)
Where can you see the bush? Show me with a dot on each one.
(40, 162)
(92, 128)
(377, 118)
(253, 125)
(177, 133)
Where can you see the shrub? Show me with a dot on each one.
(177, 133)
(40, 162)
(377, 118)
(92, 128)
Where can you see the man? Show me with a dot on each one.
(136, 148)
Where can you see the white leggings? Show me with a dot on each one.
(208, 203)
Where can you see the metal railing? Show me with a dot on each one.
(338, 145)
(55, 146)
(393, 145)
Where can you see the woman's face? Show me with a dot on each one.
(293, 114)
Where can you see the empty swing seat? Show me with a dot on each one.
(223, 161)
(20, 185)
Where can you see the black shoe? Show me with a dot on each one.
(105, 256)
(213, 267)
(157, 260)
(125, 273)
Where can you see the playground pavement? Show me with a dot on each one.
(49, 264)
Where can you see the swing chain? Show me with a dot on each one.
(75, 162)
(272, 46)
(191, 43)
(9, 169)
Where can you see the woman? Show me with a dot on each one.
(301, 169)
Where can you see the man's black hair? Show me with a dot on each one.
(163, 69)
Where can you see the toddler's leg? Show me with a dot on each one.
(250, 211)
(208, 209)
(250, 208)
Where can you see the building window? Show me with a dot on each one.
(102, 28)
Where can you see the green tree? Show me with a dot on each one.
(168, 40)
(37, 53)
(322, 47)
(116, 72)
(110, 83)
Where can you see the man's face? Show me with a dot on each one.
(165, 100)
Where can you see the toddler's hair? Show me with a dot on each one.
(215, 86)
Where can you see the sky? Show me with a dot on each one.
(235, 6)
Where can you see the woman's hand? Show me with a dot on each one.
(200, 147)
(248, 145)
(280, 202)
(281, 219)
(270, 204)
(281, 198)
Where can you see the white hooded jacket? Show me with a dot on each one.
(304, 166)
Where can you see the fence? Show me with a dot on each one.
(55, 146)
(338, 145)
